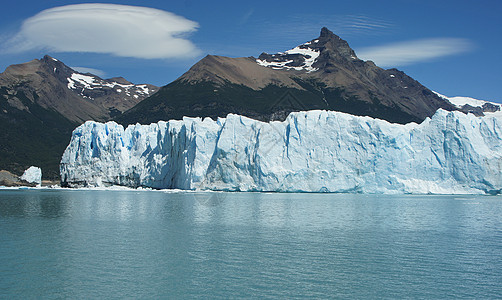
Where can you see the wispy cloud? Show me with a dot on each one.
(304, 27)
(93, 71)
(343, 25)
(246, 17)
(360, 24)
(121, 30)
(411, 52)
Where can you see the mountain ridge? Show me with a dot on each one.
(43, 100)
(323, 73)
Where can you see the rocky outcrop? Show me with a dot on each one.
(10, 180)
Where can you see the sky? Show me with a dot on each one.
(451, 47)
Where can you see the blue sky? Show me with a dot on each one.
(452, 47)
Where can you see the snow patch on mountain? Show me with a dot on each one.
(288, 60)
(459, 102)
(86, 81)
(143, 89)
(310, 57)
(82, 82)
(314, 151)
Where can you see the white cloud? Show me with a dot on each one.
(122, 30)
(93, 71)
(410, 52)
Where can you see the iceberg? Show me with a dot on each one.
(313, 151)
(32, 175)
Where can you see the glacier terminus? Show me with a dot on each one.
(313, 151)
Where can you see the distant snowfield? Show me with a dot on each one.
(461, 101)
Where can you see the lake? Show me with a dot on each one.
(153, 244)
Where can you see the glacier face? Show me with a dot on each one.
(314, 151)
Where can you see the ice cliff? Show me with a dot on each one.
(314, 151)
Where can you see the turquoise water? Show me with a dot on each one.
(129, 244)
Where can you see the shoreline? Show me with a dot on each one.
(141, 189)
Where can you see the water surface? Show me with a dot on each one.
(123, 244)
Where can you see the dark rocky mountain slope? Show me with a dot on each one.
(323, 73)
(42, 101)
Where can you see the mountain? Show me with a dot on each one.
(323, 73)
(313, 151)
(78, 97)
(42, 101)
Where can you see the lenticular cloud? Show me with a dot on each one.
(410, 52)
(122, 30)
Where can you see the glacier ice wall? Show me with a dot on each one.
(314, 151)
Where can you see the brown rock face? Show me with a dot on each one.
(9, 179)
(78, 97)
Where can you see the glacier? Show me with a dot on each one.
(313, 151)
